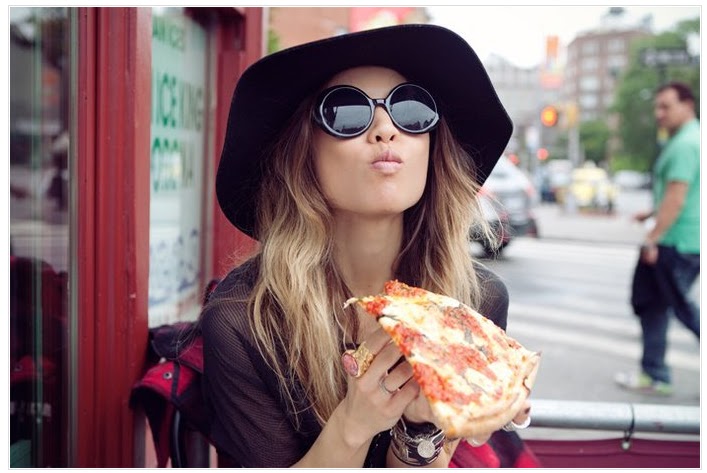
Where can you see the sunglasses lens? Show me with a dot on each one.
(346, 111)
(413, 108)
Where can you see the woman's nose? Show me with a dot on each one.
(382, 128)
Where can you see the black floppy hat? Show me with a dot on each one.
(269, 91)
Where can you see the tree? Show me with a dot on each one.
(633, 101)
(273, 41)
(594, 137)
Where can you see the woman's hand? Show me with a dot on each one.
(523, 413)
(419, 410)
(375, 401)
(519, 419)
(366, 410)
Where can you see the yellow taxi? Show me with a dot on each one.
(591, 188)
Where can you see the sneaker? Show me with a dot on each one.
(644, 384)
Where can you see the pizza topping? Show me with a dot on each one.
(398, 289)
(435, 387)
(457, 316)
(462, 357)
(506, 341)
(406, 338)
(375, 306)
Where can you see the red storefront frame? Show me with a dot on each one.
(110, 244)
(231, 63)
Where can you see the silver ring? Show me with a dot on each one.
(381, 383)
(511, 426)
(475, 443)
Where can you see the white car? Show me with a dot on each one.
(628, 179)
(515, 192)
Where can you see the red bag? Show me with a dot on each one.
(502, 450)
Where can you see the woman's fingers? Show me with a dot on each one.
(386, 354)
(377, 340)
(479, 440)
(523, 413)
(397, 376)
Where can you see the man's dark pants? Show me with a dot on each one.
(657, 288)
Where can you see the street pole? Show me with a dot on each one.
(573, 152)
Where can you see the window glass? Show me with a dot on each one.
(590, 64)
(39, 235)
(617, 62)
(590, 47)
(589, 83)
(588, 101)
(616, 45)
(177, 162)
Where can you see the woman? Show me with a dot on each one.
(353, 160)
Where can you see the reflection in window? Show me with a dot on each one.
(39, 206)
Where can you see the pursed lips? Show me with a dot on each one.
(387, 162)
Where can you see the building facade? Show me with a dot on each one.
(291, 26)
(595, 61)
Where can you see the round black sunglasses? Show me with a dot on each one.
(345, 111)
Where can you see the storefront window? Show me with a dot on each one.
(178, 146)
(39, 235)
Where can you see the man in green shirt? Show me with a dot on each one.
(670, 255)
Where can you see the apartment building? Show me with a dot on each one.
(596, 59)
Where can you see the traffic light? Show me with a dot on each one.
(549, 116)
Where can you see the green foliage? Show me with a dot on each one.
(558, 150)
(633, 100)
(594, 136)
(273, 41)
(620, 162)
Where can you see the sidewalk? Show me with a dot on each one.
(556, 223)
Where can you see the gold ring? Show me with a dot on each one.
(357, 361)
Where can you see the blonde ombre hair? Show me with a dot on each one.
(296, 305)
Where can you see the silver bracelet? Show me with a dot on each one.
(416, 444)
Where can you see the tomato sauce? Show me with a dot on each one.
(462, 357)
(437, 389)
(406, 338)
(375, 306)
(399, 289)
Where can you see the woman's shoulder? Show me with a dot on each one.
(494, 295)
(227, 307)
(238, 281)
(491, 283)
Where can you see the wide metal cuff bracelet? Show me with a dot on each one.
(416, 446)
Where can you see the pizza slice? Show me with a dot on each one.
(473, 374)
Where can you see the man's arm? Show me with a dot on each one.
(667, 213)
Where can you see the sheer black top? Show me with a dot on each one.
(251, 424)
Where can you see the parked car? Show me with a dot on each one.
(630, 180)
(591, 188)
(515, 192)
(497, 219)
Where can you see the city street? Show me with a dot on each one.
(569, 298)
